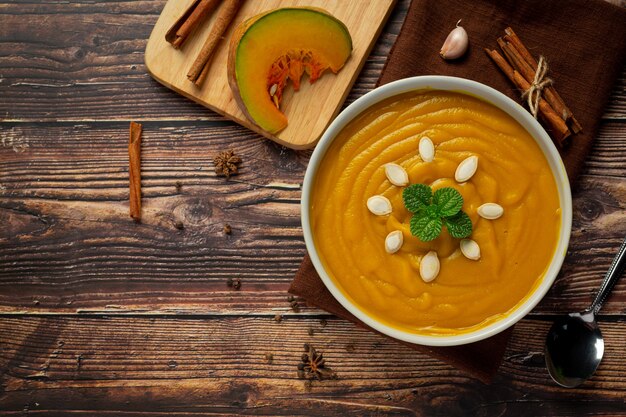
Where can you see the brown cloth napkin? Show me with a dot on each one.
(584, 42)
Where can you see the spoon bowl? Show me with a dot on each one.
(574, 349)
(574, 345)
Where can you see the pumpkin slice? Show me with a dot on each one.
(280, 45)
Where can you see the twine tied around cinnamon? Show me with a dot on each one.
(533, 94)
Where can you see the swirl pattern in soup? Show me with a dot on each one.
(516, 249)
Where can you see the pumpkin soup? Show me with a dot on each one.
(362, 229)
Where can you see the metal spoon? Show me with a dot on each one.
(574, 346)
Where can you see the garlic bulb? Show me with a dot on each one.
(456, 43)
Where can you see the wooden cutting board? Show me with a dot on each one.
(311, 109)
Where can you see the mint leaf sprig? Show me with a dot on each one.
(431, 211)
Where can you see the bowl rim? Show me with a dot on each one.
(485, 93)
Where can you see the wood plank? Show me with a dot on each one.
(103, 366)
(68, 245)
(608, 157)
(616, 107)
(93, 68)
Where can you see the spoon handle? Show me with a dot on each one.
(612, 275)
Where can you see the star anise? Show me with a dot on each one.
(226, 163)
(313, 365)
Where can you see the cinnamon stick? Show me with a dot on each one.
(555, 123)
(225, 16)
(518, 62)
(552, 96)
(134, 170)
(512, 37)
(516, 58)
(187, 23)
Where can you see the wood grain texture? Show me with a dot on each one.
(92, 68)
(311, 109)
(155, 366)
(100, 316)
(68, 245)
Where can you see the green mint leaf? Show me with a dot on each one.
(425, 228)
(459, 225)
(416, 197)
(448, 200)
(432, 211)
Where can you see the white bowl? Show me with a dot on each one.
(487, 94)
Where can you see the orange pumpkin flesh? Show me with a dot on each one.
(272, 48)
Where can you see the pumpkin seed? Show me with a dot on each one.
(429, 266)
(490, 211)
(470, 249)
(466, 169)
(379, 205)
(394, 241)
(427, 149)
(396, 175)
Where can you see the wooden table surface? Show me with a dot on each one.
(102, 316)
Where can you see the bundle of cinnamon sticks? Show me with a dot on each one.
(521, 68)
(192, 18)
